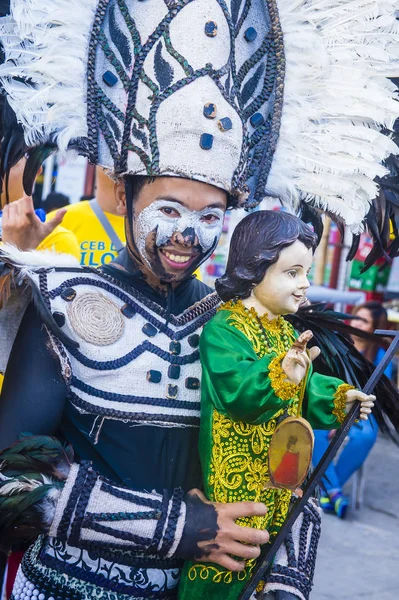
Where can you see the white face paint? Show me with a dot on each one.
(169, 217)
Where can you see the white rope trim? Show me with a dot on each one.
(63, 500)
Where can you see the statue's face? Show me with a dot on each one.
(284, 285)
(176, 225)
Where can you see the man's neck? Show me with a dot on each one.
(128, 263)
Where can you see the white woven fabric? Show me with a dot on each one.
(132, 379)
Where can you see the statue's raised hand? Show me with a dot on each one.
(298, 358)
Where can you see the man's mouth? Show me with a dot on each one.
(177, 260)
(298, 297)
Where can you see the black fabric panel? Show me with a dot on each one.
(139, 457)
(34, 393)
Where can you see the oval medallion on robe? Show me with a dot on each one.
(290, 453)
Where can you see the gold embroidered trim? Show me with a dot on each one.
(339, 400)
(278, 378)
(261, 586)
(239, 472)
(205, 572)
(265, 335)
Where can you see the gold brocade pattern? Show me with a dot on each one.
(339, 411)
(278, 378)
(239, 465)
(265, 335)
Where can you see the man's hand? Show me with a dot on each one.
(366, 403)
(297, 360)
(23, 228)
(211, 534)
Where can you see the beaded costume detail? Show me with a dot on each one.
(282, 388)
(266, 335)
(130, 329)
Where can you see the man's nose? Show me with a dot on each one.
(186, 238)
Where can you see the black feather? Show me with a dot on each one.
(339, 358)
(354, 247)
(36, 158)
(309, 214)
(13, 146)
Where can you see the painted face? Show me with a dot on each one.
(284, 285)
(179, 228)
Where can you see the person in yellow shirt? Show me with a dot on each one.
(99, 229)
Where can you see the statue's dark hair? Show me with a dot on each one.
(255, 245)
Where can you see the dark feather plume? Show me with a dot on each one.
(310, 214)
(13, 146)
(32, 474)
(354, 247)
(339, 358)
(36, 158)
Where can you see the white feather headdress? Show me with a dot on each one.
(303, 101)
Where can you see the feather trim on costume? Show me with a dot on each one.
(22, 265)
(35, 259)
(44, 40)
(337, 100)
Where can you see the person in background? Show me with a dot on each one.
(98, 227)
(371, 316)
(55, 201)
(362, 436)
(22, 228)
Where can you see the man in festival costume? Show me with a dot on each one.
(199, 106)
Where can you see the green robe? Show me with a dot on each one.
(239, 412)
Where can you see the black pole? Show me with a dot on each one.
(266, 558)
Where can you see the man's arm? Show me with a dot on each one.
(93, 511)
(33, 394)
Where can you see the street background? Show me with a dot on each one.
(358, 558)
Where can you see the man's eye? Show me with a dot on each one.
(169, 212)
(210, 218)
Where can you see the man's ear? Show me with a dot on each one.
(120, 197)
